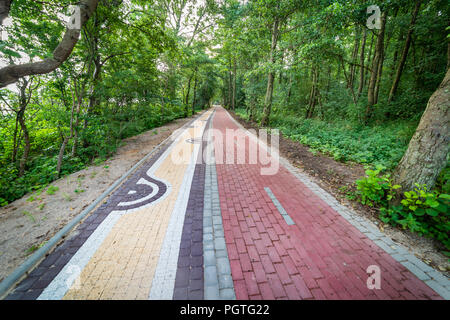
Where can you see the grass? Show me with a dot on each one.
(51, 190)
(35, 247)
(30, 216)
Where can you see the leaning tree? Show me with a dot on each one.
(428, 149)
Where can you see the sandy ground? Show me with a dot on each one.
(26, 224)
(332, 175)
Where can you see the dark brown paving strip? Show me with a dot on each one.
(189, 281)
(38, 279)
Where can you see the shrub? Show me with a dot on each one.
(420, 210)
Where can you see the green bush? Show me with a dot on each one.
(375, 189)
(420, 210)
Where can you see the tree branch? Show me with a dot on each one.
(12, 73)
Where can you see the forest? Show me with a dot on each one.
(360, 81)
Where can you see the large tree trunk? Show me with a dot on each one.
(401, 65)
(12, 73)
(271, 75)
(428, 149)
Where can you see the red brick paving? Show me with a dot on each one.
(322, 256)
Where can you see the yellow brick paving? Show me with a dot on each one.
(124, 265)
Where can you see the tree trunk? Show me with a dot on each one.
(379, 74)
(313, 93)
(366, 73)
(186, 100)
(26, 138)
(23, 103)
(448, 55)
(233, 103)
(401, 65)
(354, 55)
(230, 85)
(361, 62)
(15, 143)
(195, 93)
(377, 60)
(428, 149)
(271, 75)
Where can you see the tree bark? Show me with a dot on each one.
(369, 57)
(12, 73)
(195, 93)
(5, 6)
(361, 62)
(26, 138)
(428, 149)
(230, 86)
(186, 101)
(15, 143)
(23, 103)
(271, 75)
(401, 65)
(233, 103)
(377, 60)
(313, 93)
(448, 55)
(354, 56)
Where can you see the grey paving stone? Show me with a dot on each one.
(384, 246)
(208, 245)
(399, 257)
(211, 276)
(209, 258)
(208, 237)
(225, 281)
(433, 284)
(222, 254)
(417, 271)
(439, 277)
(227, 294)
(223, 266)
(219, 243)
(212, 293)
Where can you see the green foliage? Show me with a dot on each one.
(52, 189)
(375, 189)
(420, 210)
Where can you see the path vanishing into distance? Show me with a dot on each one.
(212, 215)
